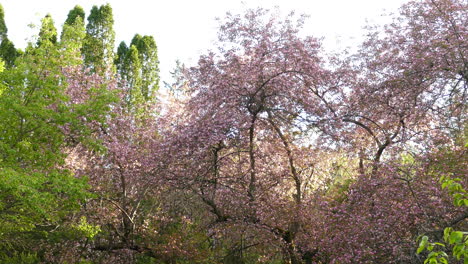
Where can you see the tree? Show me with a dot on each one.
(128, 65)
(237, 132)
(72, 37)
(76, 12)
(148, 55)
(121, 55)
(8, 51)
(75, 19)
(98, 47)
(48, 32)
(266, 151)
(3, 27)
(41, 115)
(147, 67)
(413, 76)
(407, 99)
(131, 73)
(262, 108)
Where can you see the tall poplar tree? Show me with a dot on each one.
(76, 12)
(3, 27)
(131, 73)
(148, 55)
(48, 31)
(8, 51)
(71, 40)
(98, 46)
(119, 61)
(74, 29)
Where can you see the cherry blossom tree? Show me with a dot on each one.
(262, 108)
(410, 82)
(241, 141)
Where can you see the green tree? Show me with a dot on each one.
(131, 73)
(76, 12)
(148, 54)
(38, 121)
(48, 32)
(119, 61)
(98, 46)
(455, 240)
(8, 51)
(3, 27)
(72, 37)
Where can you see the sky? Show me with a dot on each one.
(185, 29)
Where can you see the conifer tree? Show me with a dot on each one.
(98, 46)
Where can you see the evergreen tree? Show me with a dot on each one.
(3, 27)
(48, 32)
(98, 46)
(148, 55)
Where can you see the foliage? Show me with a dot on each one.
(76, 13)
(3, 27)
(148, 55)
(98, 46)
(458, 240)
(8, 51)
(72, 36)
(87, 230)
(139, 67)
(267, 150)
(48, 32)
(41, 114)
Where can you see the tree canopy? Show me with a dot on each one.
(267, 150)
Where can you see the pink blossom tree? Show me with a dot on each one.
(241, 139)
(262, 105)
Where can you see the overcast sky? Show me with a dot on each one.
(184, 29)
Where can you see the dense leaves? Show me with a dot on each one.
(39, 119)
(265, 151)
(98, 46)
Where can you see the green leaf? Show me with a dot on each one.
(455, 237)
(422, 244)
(458, 250)
(447, 232)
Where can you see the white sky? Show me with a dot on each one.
(184, 29)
